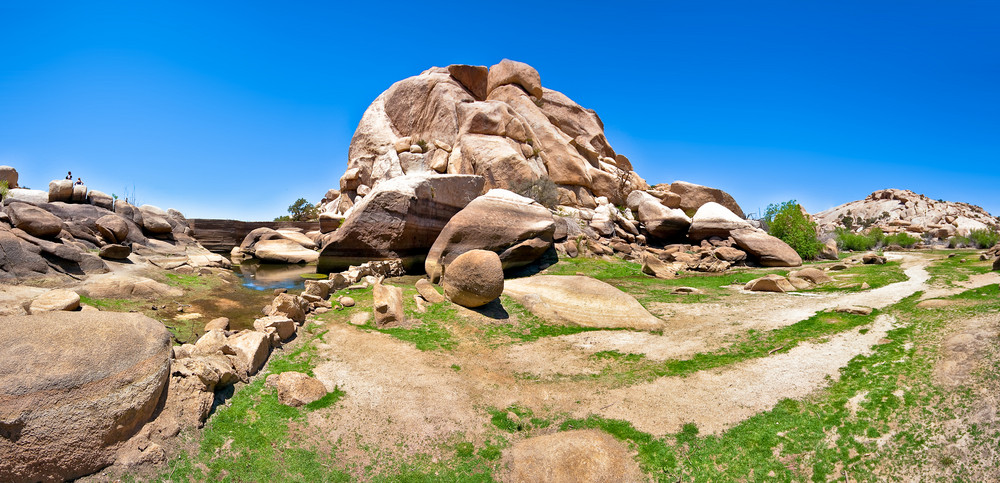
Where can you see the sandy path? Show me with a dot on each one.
(694, 328)
(716, 400)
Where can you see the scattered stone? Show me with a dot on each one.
(388, 305)
(813, 275)
(109, 371)
(686, 291)
(873, 259)
(865, 286)
(426, 290)
(360, 318)
(770, 283)
(220, 323)
(288, 305)
(284, 326)
(55, 300)
(297, 389)
(346, 301)
(580, 301)
(474, 278)
(112, 228)
(652, 265)
(854, 309)
(249, 352)
(569, 457)
(800, 283)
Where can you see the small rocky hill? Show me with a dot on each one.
(896, 211)
(497, 122)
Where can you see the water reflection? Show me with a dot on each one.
(267, 276)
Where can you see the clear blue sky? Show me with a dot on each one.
(237, 109)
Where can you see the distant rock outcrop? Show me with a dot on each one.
(903, 211)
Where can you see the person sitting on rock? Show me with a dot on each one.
(78, 181)
(69, 175)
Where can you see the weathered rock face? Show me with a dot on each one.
(571, 456)
(516, 228)
(580, 300)
(53, 300)
(903, 211)
(108, 378)
(400, 219)
(474, 278)
(769, 251)
(499, 123)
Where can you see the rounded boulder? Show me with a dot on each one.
(112, 228)
(474, 278)
(34, 220)
(73, 386)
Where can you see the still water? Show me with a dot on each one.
(267, 276)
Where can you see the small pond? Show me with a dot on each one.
(267, 276)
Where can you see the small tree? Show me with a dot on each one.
(301, 210)
(787, 221)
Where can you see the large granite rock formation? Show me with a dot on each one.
(903, 211)
(400, 219)
(73, 387)
(499, 123)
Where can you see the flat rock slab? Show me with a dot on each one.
(73, 385)
(580, 300)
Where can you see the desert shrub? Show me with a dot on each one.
(904, 240)
(959, 242)
(983, 238)
(787, 221)
(542, 190)
(855, 242)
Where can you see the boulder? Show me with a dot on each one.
(517, 73)
(730, 254)
(581, 301)
(829, 251)
(662, 222)
(800, 283)
(297, 389)
(115, 252)
(713, 219)
(769, 251)
(284, 326)
(69, 397)
(329, 222)
(693, 197)
(155, 224)
(475, 78)
(298, 237)
(8, 174)
(288, 305)
(283, 250)
(19, 261)
(53, 300)
(219, 323)
(61, 190)
(813, 275)
(27, 196)
(570, 457)
(652, 265)
(517, 228)
(211, 370)
(426, 290)
(474, 278)
(854, 310)
(249, 350)
(996, 264)
(873, 259)
(112, 228)
(769, 283)
(101, 199)
(210, 342)
(400, 219)
(34, 220)
(79, 193)
(388, 305)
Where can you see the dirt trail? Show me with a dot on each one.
(694, 328)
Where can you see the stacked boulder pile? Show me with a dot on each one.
(56, 232)
(903, 211)
(469, 157)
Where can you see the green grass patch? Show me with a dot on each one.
(958, 267)
(851, 279)
(655, 456)
(185, 281)
(111, 305)
(426, 335)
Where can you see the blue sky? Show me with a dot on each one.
(234, 110)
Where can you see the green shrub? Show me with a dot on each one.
(4, 189)
(787, 221)
(856, 242)
(983, 238)
(543, 190)
(904, 240)
(959, 242)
